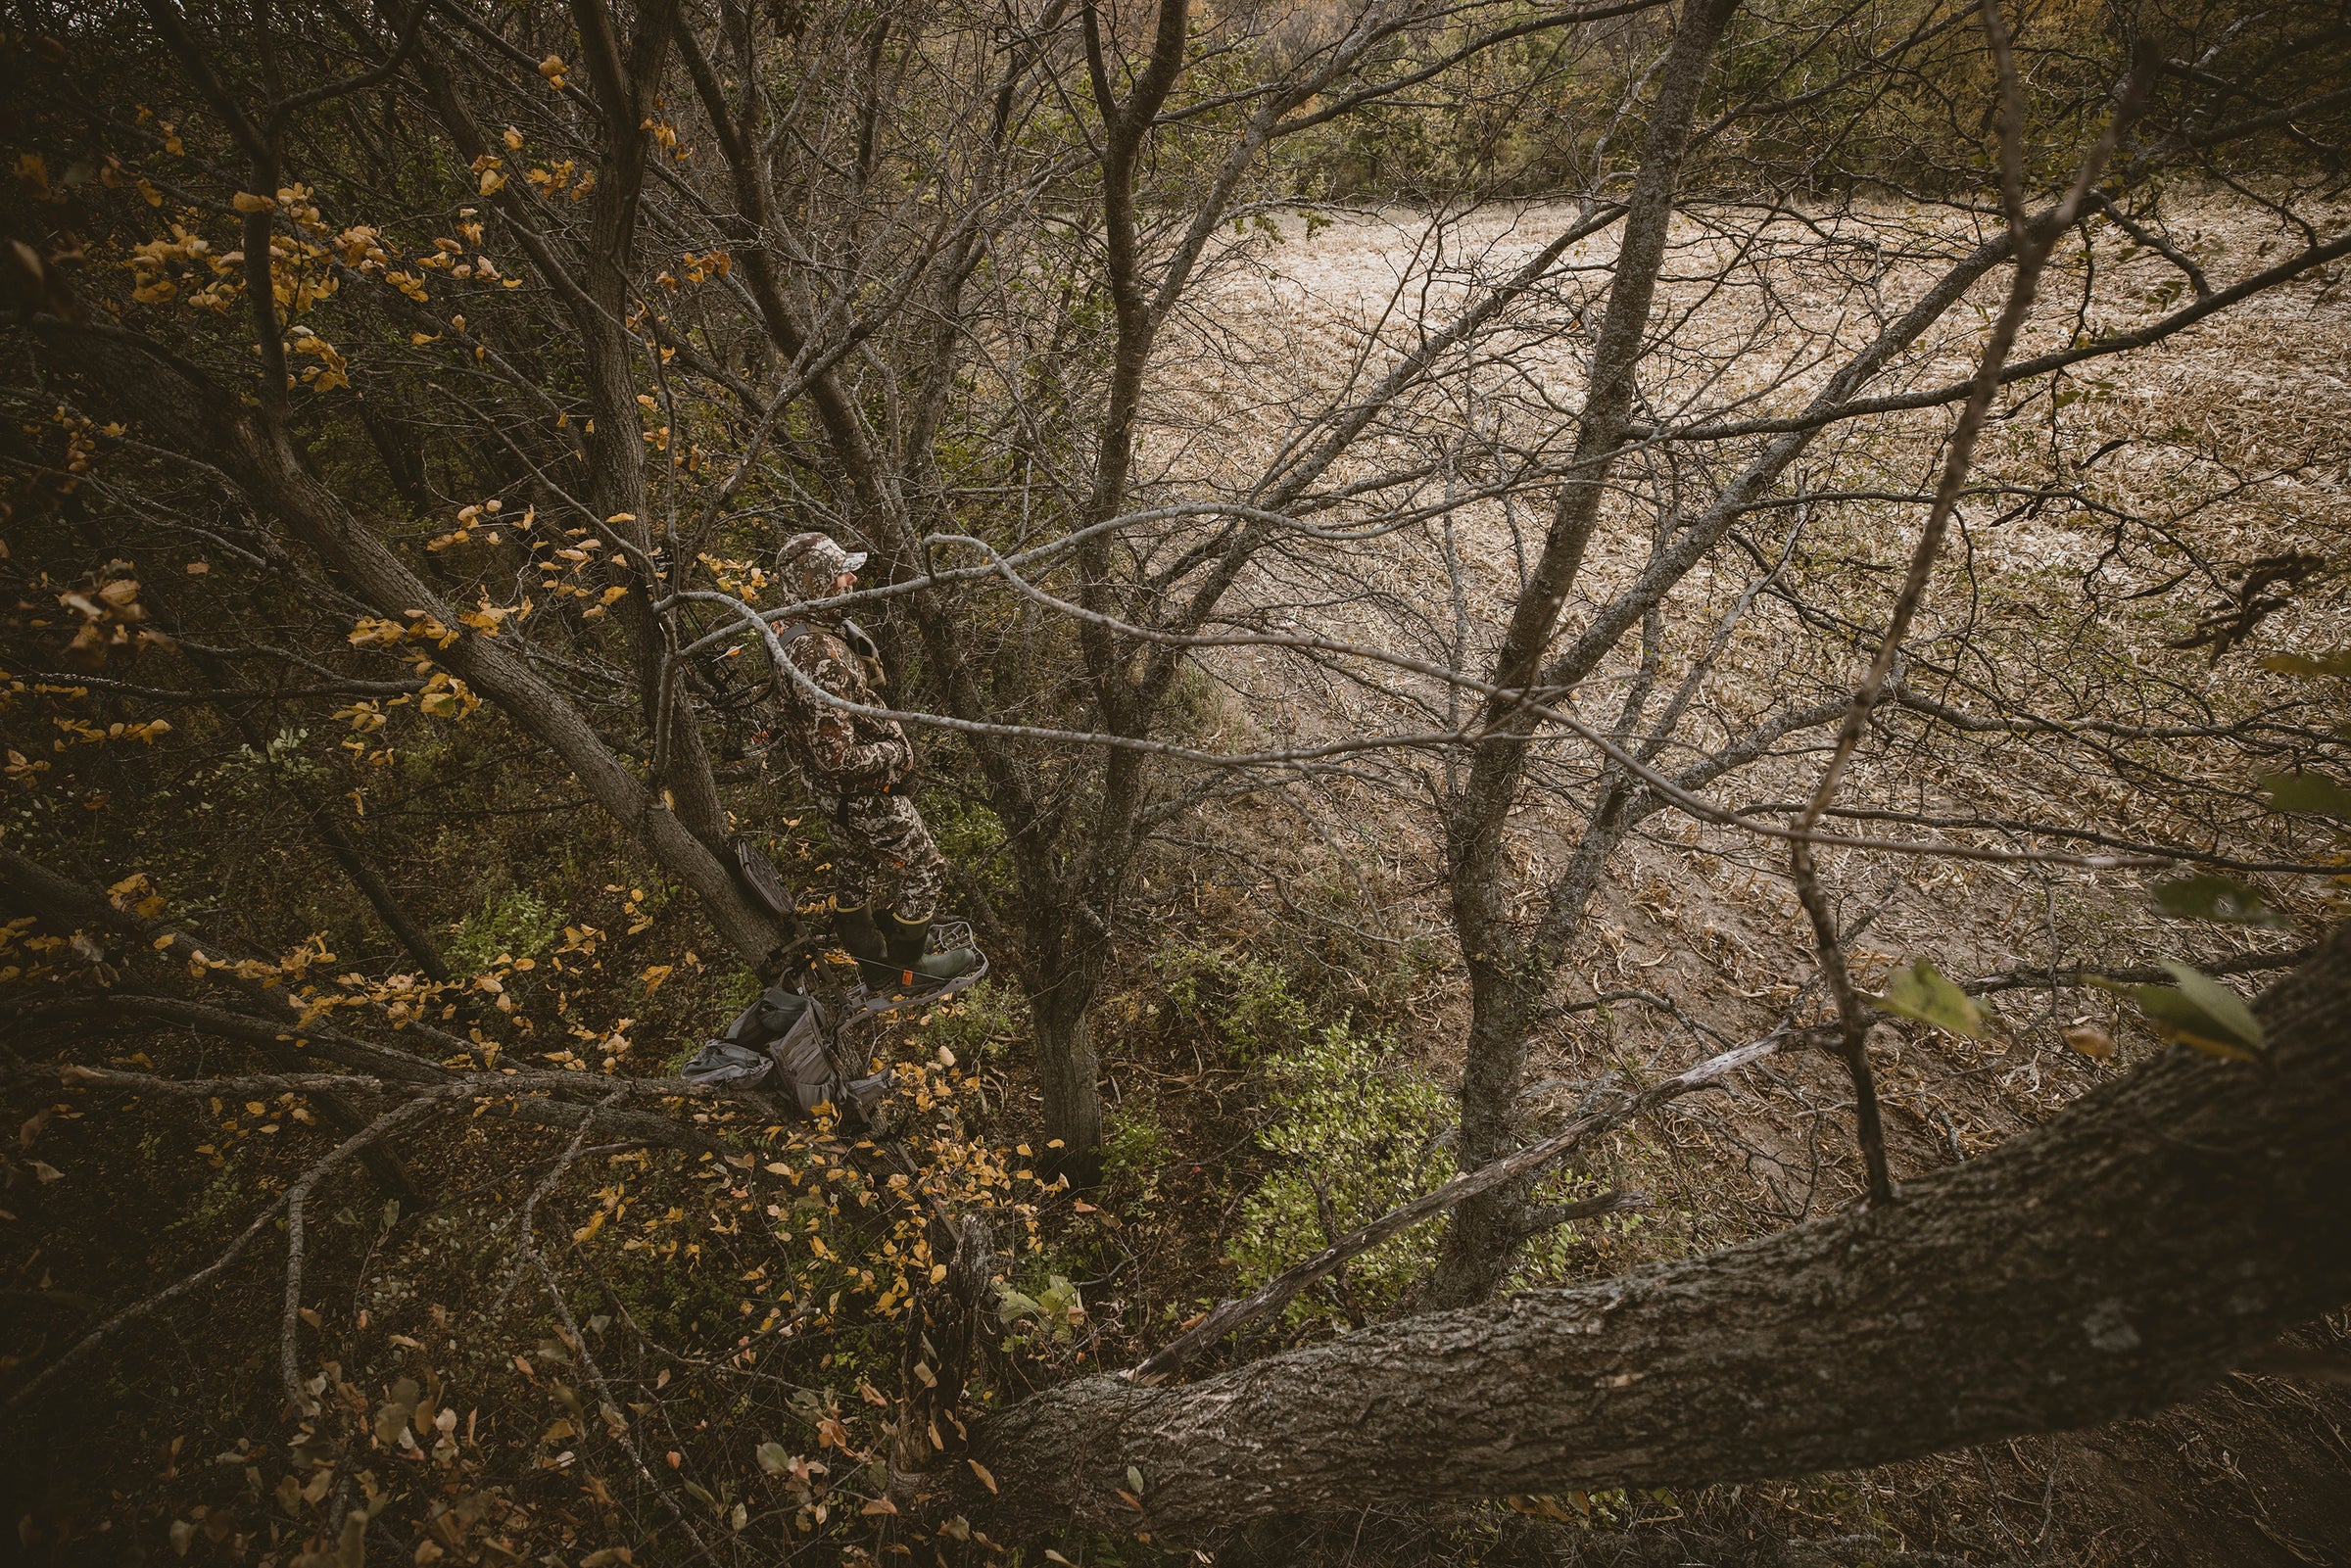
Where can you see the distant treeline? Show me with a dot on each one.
(1832, 95)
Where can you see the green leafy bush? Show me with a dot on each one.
(1134, 1146)
(988, 1018)
(1350, 1115)
(1357, 1124)
(513, 923)
(1247, 1003)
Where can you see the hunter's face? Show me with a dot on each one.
(845, 581)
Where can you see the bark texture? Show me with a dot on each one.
(2113, 1262)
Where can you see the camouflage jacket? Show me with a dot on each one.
(837, 750)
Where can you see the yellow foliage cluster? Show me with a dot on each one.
(111, 618)
(80, 733)
(161, 267)
(290, 968)
(135, 895)
(577, 555)
(423, 625)
(483, 515)
(666, 137)
(184, 265)
(444, 696)
(558, 178)
(698, 268)
(320, 377)
(745, 580)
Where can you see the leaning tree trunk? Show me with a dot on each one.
(2114, 1260)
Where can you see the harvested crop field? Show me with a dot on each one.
(2228, 442)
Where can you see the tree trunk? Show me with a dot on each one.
(1482, 1236)
(2112, 1261)
(1069, 1076)
(1508, 975)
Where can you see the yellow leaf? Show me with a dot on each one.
(981, 1470)
(654, 975)
(248, 203)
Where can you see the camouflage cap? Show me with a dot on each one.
(813, 562)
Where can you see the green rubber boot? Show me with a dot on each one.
(854, 929)
(914, 970)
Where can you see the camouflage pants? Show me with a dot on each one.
(883, 854)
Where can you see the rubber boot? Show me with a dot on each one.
(915, 969)
(855, 931)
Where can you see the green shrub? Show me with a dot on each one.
(738, 992)
(1349, 1114)
(1134, 1145)
(1247, 1003)
(513, 923)
(971, 836)
(987, 1018)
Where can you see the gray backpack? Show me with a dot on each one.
(782, 1035)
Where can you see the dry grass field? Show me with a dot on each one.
(2226, 442)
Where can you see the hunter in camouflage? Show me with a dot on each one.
(887, 871)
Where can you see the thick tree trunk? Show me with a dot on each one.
(1483, 1238)
(2113, 1262)
(1069, 1076)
